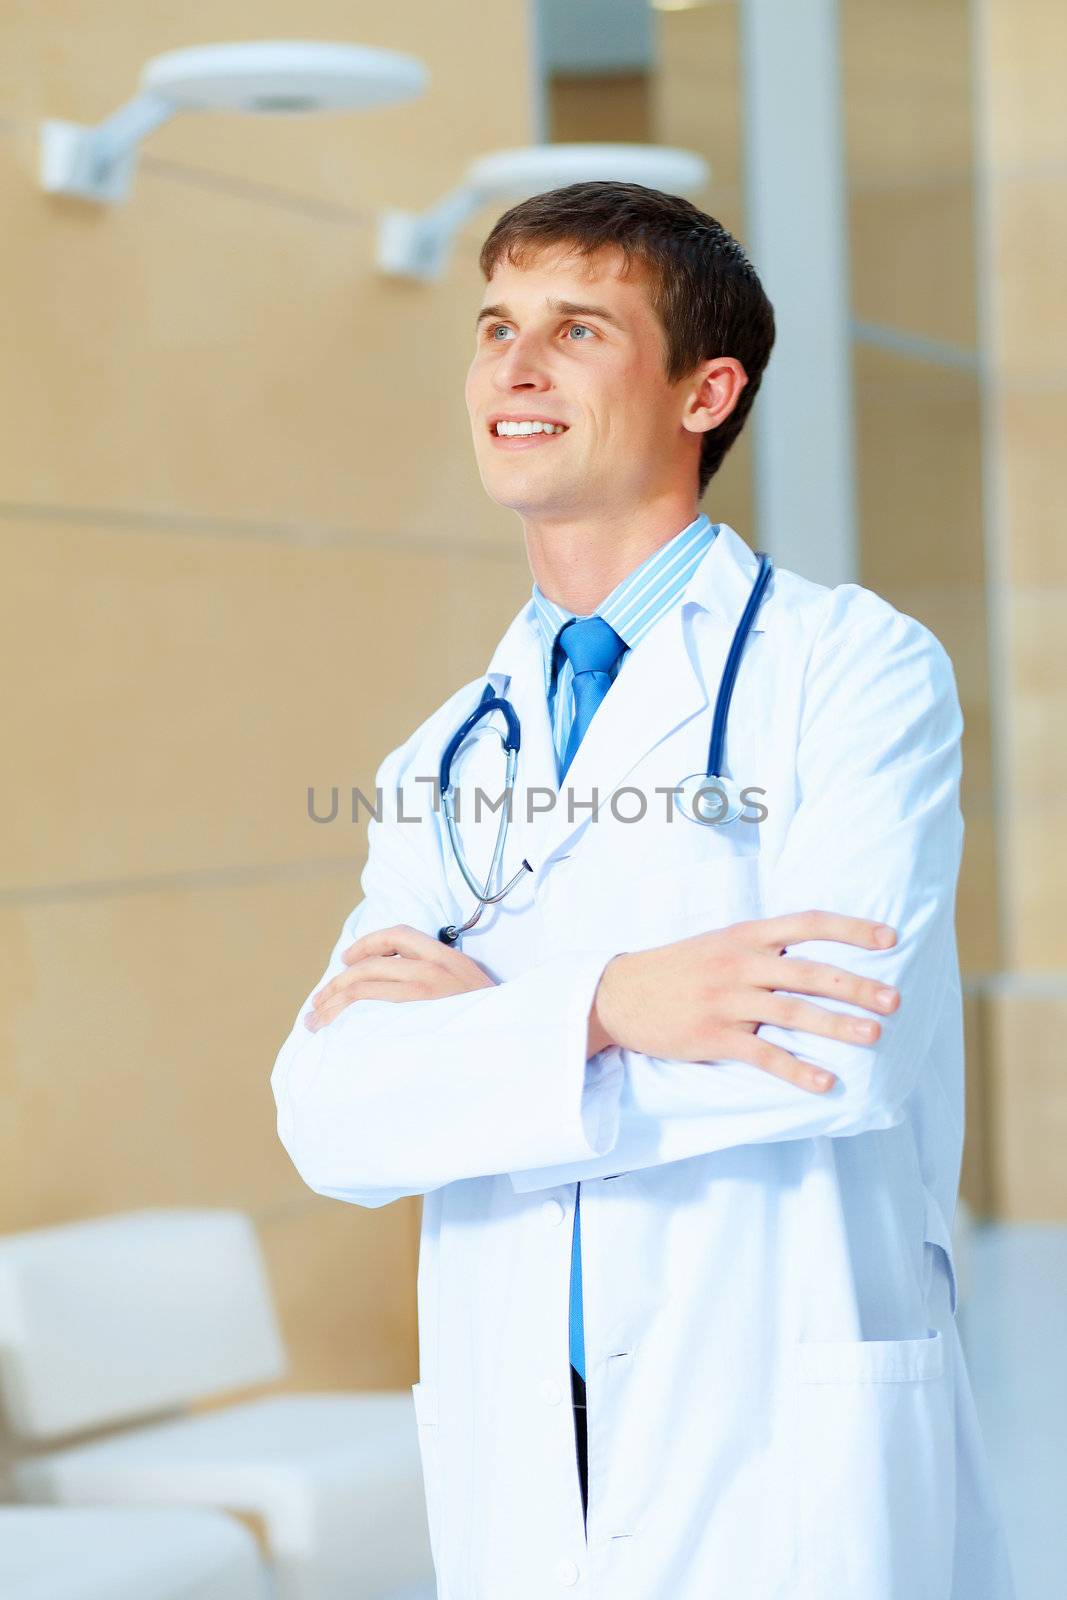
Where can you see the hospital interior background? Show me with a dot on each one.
(234, 452)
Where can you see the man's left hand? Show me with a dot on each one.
(399, 963)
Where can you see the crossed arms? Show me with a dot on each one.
(419, 1069)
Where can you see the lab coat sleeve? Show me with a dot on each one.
(398, 1098)
(877, 832)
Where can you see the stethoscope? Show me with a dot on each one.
(691, 792)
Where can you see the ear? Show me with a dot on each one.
(714, 391)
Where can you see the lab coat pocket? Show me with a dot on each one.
(696, 897)
(664, 895)
(425, 1398)
(712, 893)
(874, 1465)
(723, 889)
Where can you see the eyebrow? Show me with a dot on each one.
(564, 308)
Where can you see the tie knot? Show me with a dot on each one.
(590, 644)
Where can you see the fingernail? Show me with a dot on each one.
(885, 998)
(822, 1080)
(884, 936)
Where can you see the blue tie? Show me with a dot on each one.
(593, 649)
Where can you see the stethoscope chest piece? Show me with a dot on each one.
(709, 800)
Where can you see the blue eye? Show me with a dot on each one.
(502, 327)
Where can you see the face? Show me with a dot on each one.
(569, 341)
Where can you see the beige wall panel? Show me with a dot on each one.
(977, 934)
(584, 107)
(343, 1278)
(906, 71)
(697, 92)
(180, 692)
(1039, 675)
(728, 497)
(1029, 1103)
(63, 60)
(1037, 933)
(918, 449)
(975, 1176)
(1025, 46)
(1038, 776)
(979, 778)
(141, 1033)
(912, 253)
(1032, 430)
(203, 355)
(1029, 216)
(1019, 61)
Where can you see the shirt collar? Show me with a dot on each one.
(639, 599)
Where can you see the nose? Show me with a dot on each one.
(522, 366)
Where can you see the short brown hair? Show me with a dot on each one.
(702, 286)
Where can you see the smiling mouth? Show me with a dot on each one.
(542, 434)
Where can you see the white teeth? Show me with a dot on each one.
(511, 430)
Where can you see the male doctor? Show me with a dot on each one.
(686, 1104)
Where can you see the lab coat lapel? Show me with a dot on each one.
(673, 676)
(520, 655)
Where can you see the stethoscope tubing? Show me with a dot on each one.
(717, 742)
(510, 741)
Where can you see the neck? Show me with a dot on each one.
(577, 562)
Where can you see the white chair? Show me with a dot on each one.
(127, 1317)
(48, 1553)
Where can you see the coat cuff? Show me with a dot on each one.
(590, 1089)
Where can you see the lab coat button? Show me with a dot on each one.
(567, 1573)
(550, 1392)
(552, 1211)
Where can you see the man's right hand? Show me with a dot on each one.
(703, 998)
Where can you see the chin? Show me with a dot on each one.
(513, 499)
(519, 490)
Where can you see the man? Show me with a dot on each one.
(686, 1105)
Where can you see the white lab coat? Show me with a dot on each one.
(778, 1403)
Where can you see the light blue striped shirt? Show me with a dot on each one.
(632, 607)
